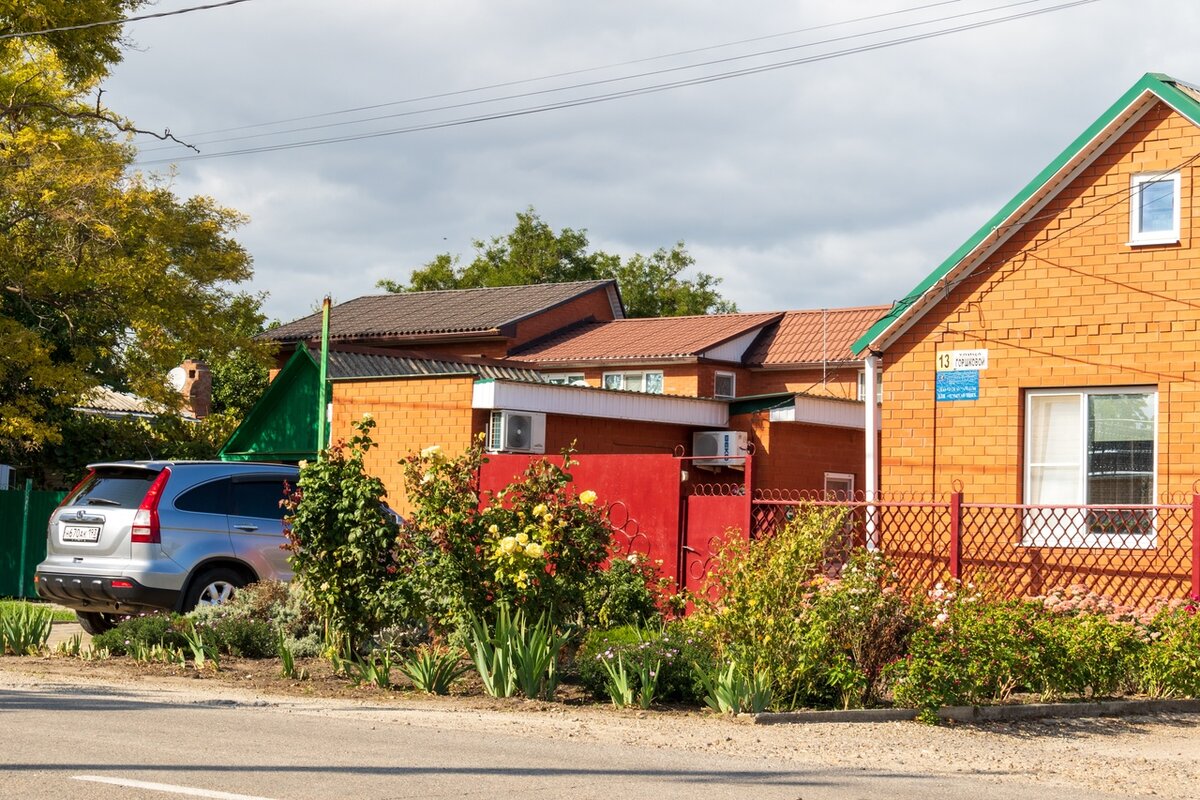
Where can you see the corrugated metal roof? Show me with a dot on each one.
(348, 365)
(627, 339)
(433, 313)
(109, 401)
(812, 337)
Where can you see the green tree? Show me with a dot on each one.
(106, 277)
(532, 252)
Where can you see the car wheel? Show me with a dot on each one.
(213, 587)
(94, 623)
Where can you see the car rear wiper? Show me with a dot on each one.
(101, 501)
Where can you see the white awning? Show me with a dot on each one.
(583, 401)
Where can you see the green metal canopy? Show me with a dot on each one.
(282, 426)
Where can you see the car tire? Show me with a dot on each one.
(95, 623)
(213, 587)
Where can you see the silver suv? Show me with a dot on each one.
(138, 536)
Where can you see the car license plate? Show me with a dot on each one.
(80, 533)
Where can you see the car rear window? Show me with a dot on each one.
(114, 489)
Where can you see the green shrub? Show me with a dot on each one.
(786, 608)
(142, 633)
(24, 628)
(243, 637)
(344, 546)
(534, 545)
(1170, 664)
(675, 648)
(622, 594)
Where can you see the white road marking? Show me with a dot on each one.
(169, 788)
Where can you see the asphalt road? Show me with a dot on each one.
(59, 740)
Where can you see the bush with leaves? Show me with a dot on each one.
(675, 648)
(344, 545)
(787, 607)
(1170, 665)
(533, 545)
(626, 592)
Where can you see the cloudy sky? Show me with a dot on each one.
(826, 165)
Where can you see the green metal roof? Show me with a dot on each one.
(282, 426)
(1182, 97)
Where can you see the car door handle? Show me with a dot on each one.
(246, 528)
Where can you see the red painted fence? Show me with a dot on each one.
(1132, 554)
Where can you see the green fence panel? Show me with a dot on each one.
(17, 529)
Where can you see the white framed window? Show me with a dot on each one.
(724, 384)
(1154, 208)
(1090, 447)
(862, 385)
(648, 381)
(839, 486)
(566, 378)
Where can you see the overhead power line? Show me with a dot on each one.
(109, 22)
(632, 92)
(583, 85)
(582, 71)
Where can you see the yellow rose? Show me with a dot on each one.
(588, 497)
(508, 544)
(433, 451)
(522, 538)
(539, 509)
(534, 550)
(493, 529)
(548, 518)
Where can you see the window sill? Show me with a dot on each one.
(1151, 242)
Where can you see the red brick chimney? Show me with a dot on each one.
(197, 388)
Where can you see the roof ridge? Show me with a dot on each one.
(593, 282)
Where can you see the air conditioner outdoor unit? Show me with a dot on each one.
(719, 449)
(517, 432)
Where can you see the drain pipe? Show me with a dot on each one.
(871, 442)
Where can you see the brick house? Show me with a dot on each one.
(446, 367)
(1050, 359)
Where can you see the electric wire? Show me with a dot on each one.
(110, 22)
(588, 84)
(632, 92)
(570, 73)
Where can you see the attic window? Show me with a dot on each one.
(650, 382)
(1154, 208)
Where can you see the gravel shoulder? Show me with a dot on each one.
(1133, 756)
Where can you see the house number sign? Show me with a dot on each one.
(962, 360)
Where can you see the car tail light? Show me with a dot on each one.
(145, 528)
(122, 584)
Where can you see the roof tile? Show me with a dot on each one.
(811, 337)
(432, 313)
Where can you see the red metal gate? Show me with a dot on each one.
(656, 504)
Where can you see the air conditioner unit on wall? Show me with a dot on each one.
(517, 432)
(719, 449)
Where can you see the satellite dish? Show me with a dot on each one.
(176, 378)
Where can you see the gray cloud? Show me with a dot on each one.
(842, 182)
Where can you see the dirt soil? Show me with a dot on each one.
(1133, 756)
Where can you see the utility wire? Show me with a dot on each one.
(108, 22)
(633, 92)
(590, 84)
(582, 71)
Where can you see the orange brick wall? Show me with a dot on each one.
(794, 455)
(840, 382)
(410, 414)
(1065, 303)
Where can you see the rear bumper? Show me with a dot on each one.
(96, 593)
